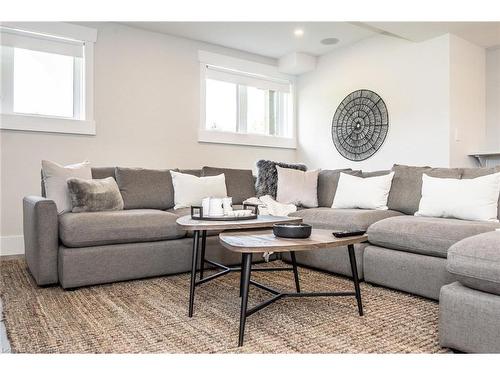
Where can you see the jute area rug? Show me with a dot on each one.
(150, 316)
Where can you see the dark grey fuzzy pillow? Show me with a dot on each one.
(267, 176)
(94, 195)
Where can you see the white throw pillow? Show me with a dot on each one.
(297, 187)
(359, 192)
(54, 180)
(189, 190)
(467, 199)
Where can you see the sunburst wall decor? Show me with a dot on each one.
(360, 125)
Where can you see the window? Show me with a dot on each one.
(43, 83)
(46, 78)
(241, 105)
(221, 107)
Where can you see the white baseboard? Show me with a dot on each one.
(11, 245)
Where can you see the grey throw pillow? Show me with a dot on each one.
(94, 195)
(239, 182)
(267, 176)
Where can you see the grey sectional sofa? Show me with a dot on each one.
(404, 252)
(409, 253)
(143, 240)
(470, 308)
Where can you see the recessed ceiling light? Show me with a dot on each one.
(329, 41)
(298, 32)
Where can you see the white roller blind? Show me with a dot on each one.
(247, 79)
(38, 42)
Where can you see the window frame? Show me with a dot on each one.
(85, 124)
(238, 138)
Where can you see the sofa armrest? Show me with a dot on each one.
(41, 238)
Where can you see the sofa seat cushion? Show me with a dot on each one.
(114, 227)
(342, 218)
(424, 235)
(475, 261)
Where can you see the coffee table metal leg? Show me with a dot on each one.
(295, 271)
(354, 269)
(245, 272)
(194, 261)
(202, 257)
(241, 276)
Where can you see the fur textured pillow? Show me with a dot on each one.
(95, 195)
(267, 176)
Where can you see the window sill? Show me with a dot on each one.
(214, 136)
(46, 124)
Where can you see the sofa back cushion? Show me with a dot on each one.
(328, 180)
(194, 172)
(145, 188)
(374, 173)
(103, 172)
(406, 189)
(239, 182)
(478, 172)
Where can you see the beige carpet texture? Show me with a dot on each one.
(150, 316)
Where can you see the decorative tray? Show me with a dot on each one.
(197, 214)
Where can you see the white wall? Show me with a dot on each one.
(147, 114)
(147, 110)
(467, 101)
(412, 79)
(493, 99)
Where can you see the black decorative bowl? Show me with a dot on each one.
(292, 230)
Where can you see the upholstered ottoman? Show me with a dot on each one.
(469, 309)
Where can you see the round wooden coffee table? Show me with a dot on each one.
(200, 228)
(248, 243)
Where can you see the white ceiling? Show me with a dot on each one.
(272, 39)
(484, 34)
(276, 39)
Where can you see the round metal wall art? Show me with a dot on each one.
(360, 125)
